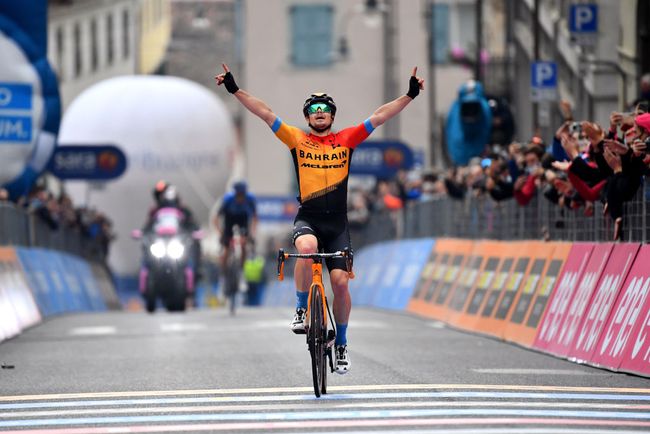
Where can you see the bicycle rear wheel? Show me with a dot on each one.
(317, 343)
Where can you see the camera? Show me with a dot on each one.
(575, 127)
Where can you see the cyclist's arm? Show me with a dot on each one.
(389, 110)
(252, 104)
(256, 106)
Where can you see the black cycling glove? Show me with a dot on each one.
(414, 88)
(229, 82)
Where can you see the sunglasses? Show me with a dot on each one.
(320, 106)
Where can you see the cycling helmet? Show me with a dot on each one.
(316, 98)
(240, 187)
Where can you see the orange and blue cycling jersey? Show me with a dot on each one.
(322, 164)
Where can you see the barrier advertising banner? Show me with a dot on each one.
(549, 332)
(629, 310)
(18, 309)
(602, 301)
(636, 352)
(533, 297)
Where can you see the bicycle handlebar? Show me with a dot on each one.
(316, 257)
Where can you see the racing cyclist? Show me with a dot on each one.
(322, 161)
(238, 208)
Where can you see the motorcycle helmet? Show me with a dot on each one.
(316, 98)
(158, 189)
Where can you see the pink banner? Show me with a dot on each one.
(549, 330)
(602, 302)
(630, 326)
(561, 343)
(625, 313)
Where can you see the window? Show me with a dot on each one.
(60, 50)
(311, 35)
(77, 50)
(125, 34)
(110, 47)
(454, 26)
(440, 31)
(94, 56)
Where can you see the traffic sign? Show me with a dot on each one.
(543, 81)
(583, 23)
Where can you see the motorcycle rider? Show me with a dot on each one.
(166, 196)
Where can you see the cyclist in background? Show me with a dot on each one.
(238, 208)
(322, 162)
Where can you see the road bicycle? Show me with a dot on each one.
(233, 270)
(320, 339)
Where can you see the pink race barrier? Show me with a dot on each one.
(553, 330)
(624, 341)
(610, 283)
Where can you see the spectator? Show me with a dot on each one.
(4, 195)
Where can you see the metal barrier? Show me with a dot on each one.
(481, 217)
(20, 228)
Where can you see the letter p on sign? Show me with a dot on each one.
(583, 18)
(544, 75)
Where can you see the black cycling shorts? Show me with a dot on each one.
(331, 231)
(228, 233)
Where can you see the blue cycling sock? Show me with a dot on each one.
(341, 339)
(301, 299)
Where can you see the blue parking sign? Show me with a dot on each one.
(543, 81)
(583, 18)
(543, 74)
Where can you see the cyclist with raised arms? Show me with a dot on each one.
(322, 162)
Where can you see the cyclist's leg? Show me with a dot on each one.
(305, 240)
(339, 239)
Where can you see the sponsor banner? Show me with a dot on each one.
(534, 294)
(401, 272)
(495, 323)
(602, 301)
(9, 322)
(550, 331)
(636, 355)
(616, 343)
(85, 162)
(497, 287)
(459, 252)
(276, 208)
(103, 279)
(381, 159)
(18, 309)
(37, 269)
(427, 274)
(470, 293)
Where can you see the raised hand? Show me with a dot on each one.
(220, 78)
(227, 79)
(415, 84)
(613, 160)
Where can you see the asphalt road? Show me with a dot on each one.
(205, 371)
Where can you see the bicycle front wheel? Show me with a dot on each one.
(317, 342)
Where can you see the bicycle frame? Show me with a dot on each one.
(321, 339)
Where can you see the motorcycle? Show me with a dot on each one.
(167, 271)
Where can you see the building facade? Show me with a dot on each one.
(93, 40)
(361, 52)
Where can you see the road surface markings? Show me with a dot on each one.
(350, 388)
(93, 331)
(456, 409)
(515, 371)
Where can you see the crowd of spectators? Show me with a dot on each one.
(582, 164)
(60, 214)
